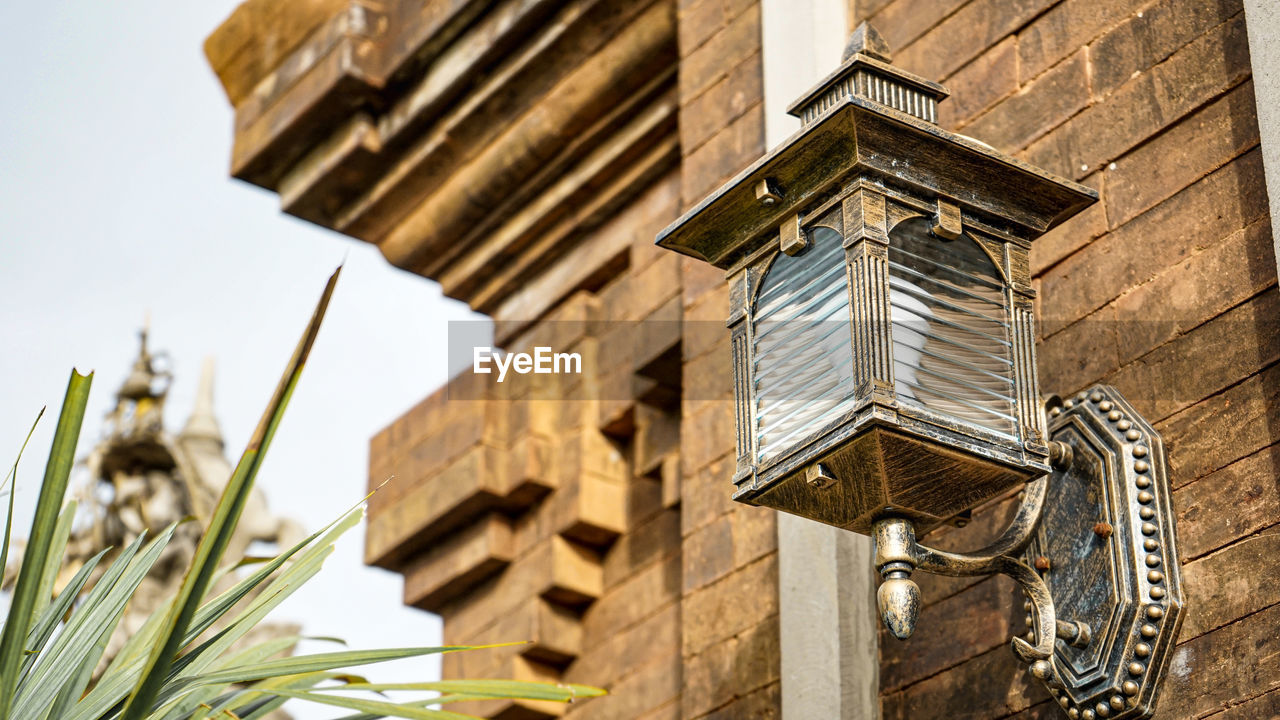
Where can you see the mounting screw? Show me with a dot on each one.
(818, 476)
(767, 193)
(1060, 454)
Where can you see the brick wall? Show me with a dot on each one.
(602, 528)
(548, 510)
(1166, 289)
(730, 576)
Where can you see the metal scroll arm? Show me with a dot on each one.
(898, 554)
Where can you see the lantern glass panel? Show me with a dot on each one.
(803, 357)
(951, 348)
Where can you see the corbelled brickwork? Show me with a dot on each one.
(1165, 289)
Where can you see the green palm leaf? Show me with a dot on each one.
(227, 513)
(22, 606)
(186, 661)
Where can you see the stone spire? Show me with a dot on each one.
(138, 384)
(202, 424)
(139, 410)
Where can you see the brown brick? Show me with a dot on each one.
(627, 603)
(1036, 108)
(755, 533)
(710, 375)
(700, 279)
(705, 435)
(591, 510)
(978, 85)
(1232, 583)
(1246, 487)
(1060, 242)
(723, 103)
(518, 667)
(1205, 361)
(727, 152)
(455, 566)
(763, 704)
(704, 320)
(637, 693)
(529, 475)
(1064, 28)
(575, 576)
(702, 67)
(697, 22)
(430, 508)
(1079, 355)
(966, 34)
(1224, 428)
(654, 285)
(524, 579)
(1210, 672)
(670, 711)
(982, 617)
(1190, 150)
(705, 493)
(1143, 41)
(671, 481)
(1263, 706)
(554, 632)
(644, 500)
(1147, 103)
(1225, 201)
(646, 543)
(991, 685)
(860, 10)
(733, 8)
(708, 553)
(732, 668)
(730, 606)
(902, 21)
(653, 639)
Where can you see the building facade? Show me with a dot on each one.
(525, 153)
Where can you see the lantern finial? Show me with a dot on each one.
(868, 41)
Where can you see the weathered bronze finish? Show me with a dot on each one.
(1125, 610)
(1123, 585)
(869, 163)
(867, 202)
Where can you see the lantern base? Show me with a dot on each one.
(863, 472)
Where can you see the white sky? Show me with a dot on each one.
(115, 202)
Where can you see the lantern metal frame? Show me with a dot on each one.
(869, 157)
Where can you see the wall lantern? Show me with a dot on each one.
(884, 355)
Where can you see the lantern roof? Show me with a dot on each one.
(870, 121)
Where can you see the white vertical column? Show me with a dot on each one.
(1262, 17)
(826, 586)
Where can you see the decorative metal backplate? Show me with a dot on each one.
(1108, 535)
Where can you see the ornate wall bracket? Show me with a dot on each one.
(1093, 541)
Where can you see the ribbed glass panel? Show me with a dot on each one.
(803, 369)
(951, 348)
